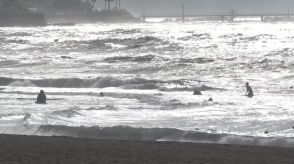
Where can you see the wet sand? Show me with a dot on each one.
(64, 150)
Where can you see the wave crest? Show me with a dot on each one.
(100, 82)
(146, 134)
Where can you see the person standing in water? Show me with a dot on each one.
(249, 91)
(197, 92)
(41, 99)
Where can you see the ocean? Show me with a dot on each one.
(147, 73)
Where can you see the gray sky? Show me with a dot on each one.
(205, 6)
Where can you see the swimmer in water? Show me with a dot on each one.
(249, 91)
(41, 99)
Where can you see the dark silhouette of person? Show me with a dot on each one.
(41, 99)
(197, 92)
(249, 91)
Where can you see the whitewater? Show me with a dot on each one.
(147, 72)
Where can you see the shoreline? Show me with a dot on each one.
(19, 149)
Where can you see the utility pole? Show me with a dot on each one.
(108, 1)
(144, 17)
(109, 5)
(183, 13)
(105, 4)
(233, 14)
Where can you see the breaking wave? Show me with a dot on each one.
(200, 88)
(147, 58)
(104, 82)
(257, 37)
(202, 36)
(131, 43)
(100, 82)
(113, 44)
(162, 134)
(22, 127)
(125, 31)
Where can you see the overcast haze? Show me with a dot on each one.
(205, 6)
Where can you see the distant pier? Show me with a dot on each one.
(231, 16)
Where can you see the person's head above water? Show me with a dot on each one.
(41, 91)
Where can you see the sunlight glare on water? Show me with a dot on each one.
(147, 72)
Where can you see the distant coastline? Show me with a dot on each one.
(22, 19)
(81, 11)
(112, 16)
(24, 13)
(13, 13)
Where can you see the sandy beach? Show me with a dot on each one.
(64, 150)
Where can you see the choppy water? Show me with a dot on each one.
(147, 72)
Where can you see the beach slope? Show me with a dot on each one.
(64, 150)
